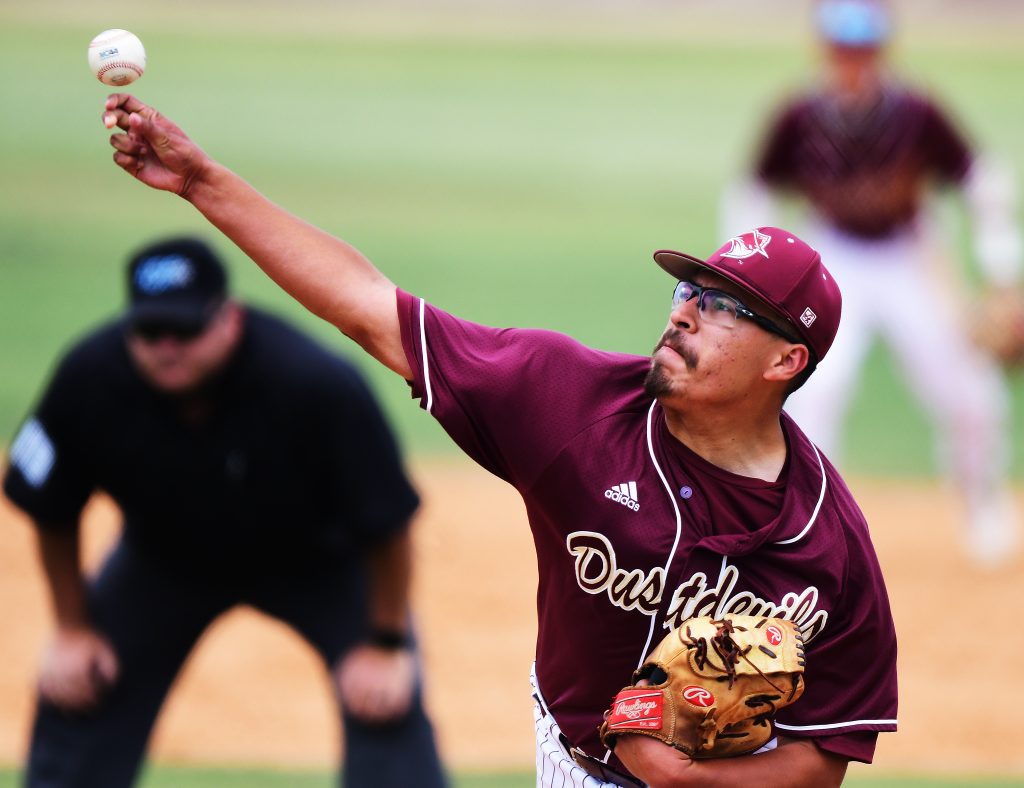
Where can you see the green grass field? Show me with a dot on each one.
(516, 178)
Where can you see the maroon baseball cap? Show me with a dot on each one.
(782, 271)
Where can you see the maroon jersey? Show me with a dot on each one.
(635, 533)
(864, 170)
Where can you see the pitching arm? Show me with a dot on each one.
(325, 274)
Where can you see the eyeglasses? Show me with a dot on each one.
(721, 309)
(152, 331)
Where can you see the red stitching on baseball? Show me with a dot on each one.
(118, 64)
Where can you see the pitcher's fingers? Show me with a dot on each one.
(119, 106)
(131, 164)
(127, 143)
(125, 102)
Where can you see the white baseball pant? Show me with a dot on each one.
(899, 289)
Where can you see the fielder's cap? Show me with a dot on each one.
(853, 23)
(782, 271)
(178, 281)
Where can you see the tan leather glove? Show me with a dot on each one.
(712, 687)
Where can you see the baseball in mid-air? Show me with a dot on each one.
(117, 57)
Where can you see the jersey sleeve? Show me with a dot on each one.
(774, 162)
(510, 398)
(851, 689)
(948, 151)
(47, 475)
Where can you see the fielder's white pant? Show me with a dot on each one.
(891, 288)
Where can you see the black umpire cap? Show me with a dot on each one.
(176, 282)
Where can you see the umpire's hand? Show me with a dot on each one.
(375, 684)
(77, 668)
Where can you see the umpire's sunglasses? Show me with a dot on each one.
(721, 309)
(155, 330)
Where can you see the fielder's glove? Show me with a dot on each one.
(999, 327)
(711, 688)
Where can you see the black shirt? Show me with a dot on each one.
(294, 460)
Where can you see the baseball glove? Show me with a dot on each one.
(711, 688)
(1000, 327)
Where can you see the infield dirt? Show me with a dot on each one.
(255, 694)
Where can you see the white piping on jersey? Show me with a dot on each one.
(423, 352)
(679, 523)
(721, 572)
(817, 506)
(833, 725)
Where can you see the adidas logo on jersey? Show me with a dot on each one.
(625, 494)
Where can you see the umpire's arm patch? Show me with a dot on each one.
(33, 454)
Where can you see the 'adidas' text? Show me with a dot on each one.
(625, 494)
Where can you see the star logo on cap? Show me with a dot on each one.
(747, 245)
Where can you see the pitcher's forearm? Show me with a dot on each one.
(328, 276)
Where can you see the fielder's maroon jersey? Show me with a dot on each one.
(866, 170)
(635, 533)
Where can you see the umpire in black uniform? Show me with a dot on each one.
(251, 467)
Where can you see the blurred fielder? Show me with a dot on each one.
(862, 150)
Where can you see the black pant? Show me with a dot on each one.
(153, 615)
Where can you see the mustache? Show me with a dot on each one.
(672, 339)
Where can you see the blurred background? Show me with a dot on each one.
(514, 162)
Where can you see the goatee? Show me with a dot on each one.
(657, 383)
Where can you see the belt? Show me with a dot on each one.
(599, 769)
